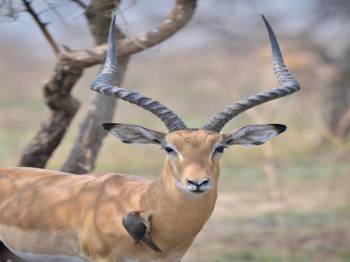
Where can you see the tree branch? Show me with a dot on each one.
(177, 19)
(67, 72)
(85, 150)
(89, 140)
(57, 95)
(80, 3)
(84, 153)
(53, 8)
(42, 26)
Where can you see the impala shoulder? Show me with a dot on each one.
(120, 177)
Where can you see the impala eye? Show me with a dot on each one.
(219, 149)
(169, 150)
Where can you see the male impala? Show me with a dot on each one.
(53, 216)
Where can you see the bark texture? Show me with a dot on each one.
(70, 66)
(58, 98)
(83, 155)
(339, 115)
(68, 70)
(177, 19)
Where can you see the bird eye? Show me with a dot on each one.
(219, 149)
(169, 150)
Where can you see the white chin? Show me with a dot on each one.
(191, 189)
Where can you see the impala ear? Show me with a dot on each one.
(133, 134)
(254, 134)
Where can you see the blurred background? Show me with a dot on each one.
(288, 200)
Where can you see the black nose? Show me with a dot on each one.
(198, 183)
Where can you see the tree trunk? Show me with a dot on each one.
(68, 71)
(83, 155)
(57, 95)
(339, 115)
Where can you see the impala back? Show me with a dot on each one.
(44, 213)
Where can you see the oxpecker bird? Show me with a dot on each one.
(139, 229)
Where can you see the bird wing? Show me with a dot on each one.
(149, 242)
(134, 227)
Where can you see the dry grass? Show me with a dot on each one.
(246, 225)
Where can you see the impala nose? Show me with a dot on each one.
(198, 186)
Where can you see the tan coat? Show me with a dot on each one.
(48, 214)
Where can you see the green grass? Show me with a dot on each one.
(32, 105)
(11, 145)
(343, 255)
(298, 218)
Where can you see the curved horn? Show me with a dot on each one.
(103, 85)
(288, 85)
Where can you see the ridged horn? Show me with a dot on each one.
(103, 85)
(288, 85)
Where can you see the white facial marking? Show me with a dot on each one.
(189, 188)
(216, 154)
(173, 147)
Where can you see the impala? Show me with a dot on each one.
(52, 216)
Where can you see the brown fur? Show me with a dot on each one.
(82, 214)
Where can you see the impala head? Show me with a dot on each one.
(193, 154)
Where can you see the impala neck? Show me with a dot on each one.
(177, 215)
